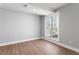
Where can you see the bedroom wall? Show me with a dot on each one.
(15, 26)
(69, 25)
(43, 26)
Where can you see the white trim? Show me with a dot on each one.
(63, 45)
(36, 38)
(9, 43)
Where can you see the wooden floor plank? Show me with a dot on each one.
(35, 47)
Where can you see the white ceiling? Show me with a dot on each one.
(33, 8)
(49, 6)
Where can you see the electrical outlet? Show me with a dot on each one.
(70, 42)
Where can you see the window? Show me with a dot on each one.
(52, 26)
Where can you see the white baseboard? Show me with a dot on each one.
(63, 45)
(36, 38)
(24, 40)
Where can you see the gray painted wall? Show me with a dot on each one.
(43, 26)
(16, 26)
(69, 25)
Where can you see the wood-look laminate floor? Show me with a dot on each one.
(35, 47)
